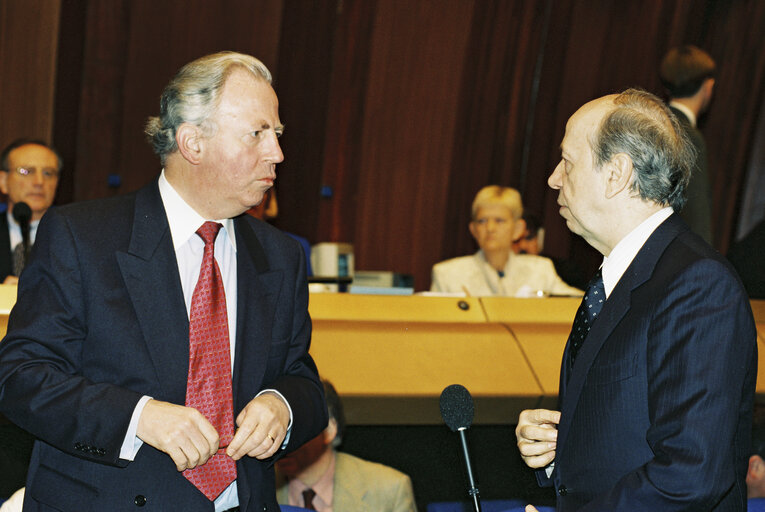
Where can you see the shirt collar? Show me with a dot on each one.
(616, 263)
(685, 110)
(324, 487)
(183, 219)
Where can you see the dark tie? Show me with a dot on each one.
(588, 312)
(19, 259)
(308, 496)
(208, 388)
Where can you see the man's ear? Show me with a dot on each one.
(519, 229)
(189, 140)
(330, 433)
(618, 174)
(4, 182)
(472, 228)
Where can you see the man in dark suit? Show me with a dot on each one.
(687, 73)
(106, 342)
(30, 171)
(657, 385)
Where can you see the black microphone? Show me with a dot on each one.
(23, 214)
(457, 411)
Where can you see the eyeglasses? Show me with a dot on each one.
(48, 173)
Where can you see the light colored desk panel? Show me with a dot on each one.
(507, 310)
(541, 327)
(414, 308)
(7, 300)
(758, 309)
(543, 345)
(394, 372)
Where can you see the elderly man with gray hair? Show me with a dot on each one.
(159, 346)
(658, 375)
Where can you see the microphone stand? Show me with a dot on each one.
(473, 491)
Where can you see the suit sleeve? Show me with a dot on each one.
(42, 385)
(701, 357)
(299, 382)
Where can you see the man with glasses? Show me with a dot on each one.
(30, 175)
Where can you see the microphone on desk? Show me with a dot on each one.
(457, 411)
(22, 213)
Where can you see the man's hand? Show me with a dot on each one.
(262, 427)
(537, 435)
(181, 432)
(11, 280)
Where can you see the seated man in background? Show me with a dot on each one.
(320, 478)
(30, 170)
(495, 269)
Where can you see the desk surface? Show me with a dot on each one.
(391, 356)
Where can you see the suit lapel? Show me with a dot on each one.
(257, 291)
(150, 272)
(616, 307)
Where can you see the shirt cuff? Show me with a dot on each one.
(132, 443)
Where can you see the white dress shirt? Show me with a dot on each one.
(616, 263)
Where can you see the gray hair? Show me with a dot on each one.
(192, 96)
(644, 128)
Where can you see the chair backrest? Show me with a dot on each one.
(290, 508)
(756, 505)
(466, 506)
(540, 508)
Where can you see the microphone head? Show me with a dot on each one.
(22, 213)
(456, 407)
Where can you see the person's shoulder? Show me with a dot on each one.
(380, 472)
(272, 239)
(455, 263)
(533, 261)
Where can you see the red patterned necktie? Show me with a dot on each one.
(208, 388)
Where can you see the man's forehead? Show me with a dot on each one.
(585, 120)
(31, 152)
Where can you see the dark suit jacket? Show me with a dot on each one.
(6, 254)
(697, 211)
(100, 321)
(656, 413)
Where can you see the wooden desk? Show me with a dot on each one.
(391, 356)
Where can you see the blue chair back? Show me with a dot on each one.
(756, 505)
(290, 508)
(540, 508)
(467, 506)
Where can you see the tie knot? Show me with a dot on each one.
(208, 231)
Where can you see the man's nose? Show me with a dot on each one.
(554, 181)
(275, 151)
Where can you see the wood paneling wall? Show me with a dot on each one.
(28, 46)
(399, 110)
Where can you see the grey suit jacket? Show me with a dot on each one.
(698, 208)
